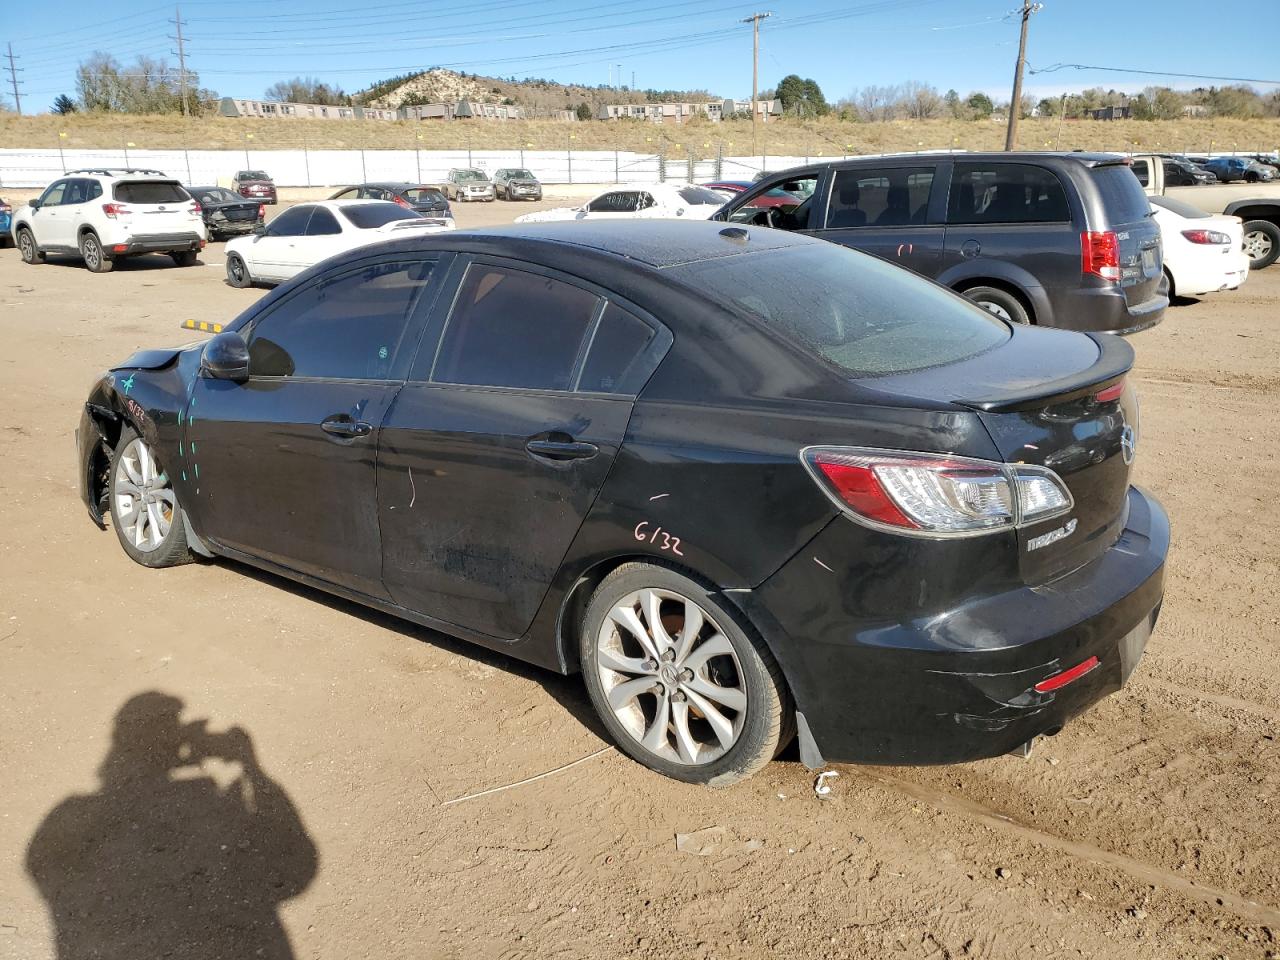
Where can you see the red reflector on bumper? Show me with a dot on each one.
(120, 248)
(1060, 680)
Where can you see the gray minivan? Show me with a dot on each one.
(1056, 239)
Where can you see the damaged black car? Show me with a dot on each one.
(753, 486)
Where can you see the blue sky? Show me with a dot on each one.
(240, 47)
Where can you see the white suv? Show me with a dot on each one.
(107, 215)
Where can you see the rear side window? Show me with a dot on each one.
(889, 197)
(616, 359)
(514, 329)
(150, 191)
(857, 313)
(351, 327)
(1122, 198)
(1006, 193)
(370, 216)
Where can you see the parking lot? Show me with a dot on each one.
(1147, 828)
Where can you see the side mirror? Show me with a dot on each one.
(33, 204)
(226, 357)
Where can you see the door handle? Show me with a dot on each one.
(346, 428)
(562, 449)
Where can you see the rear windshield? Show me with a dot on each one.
(423, 195)
(1179, 207)
(253, 175)
(1122, 198)
(216, 195)
(370, 216)
(860, 314)
(701, 196)
(150, 191)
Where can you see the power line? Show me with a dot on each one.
(1150, 73)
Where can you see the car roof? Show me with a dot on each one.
(338, 204)
(654, 243)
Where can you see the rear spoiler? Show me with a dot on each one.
(1115, 359)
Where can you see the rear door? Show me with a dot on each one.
(1018, 213)
(282, 466)
(156, 206)
(497, 446)
(1127, 212)
(887, 211)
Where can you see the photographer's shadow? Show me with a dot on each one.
(186, 850)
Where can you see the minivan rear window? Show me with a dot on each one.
(150, 191)
(1123, 200)
(856, 312)
(423, 195)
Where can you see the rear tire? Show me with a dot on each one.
(1000, 302)
(144, 507)
(238, 272)
(92, 254)
(27, 246)
(1261, 243)
(710, 707)
(185, 258)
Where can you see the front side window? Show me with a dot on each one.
(291, 223)
(509, 328)
(350, 327)
(784, 205)
(322, 223)
(618, 201)
(1141, 172)
(52, 197)
(1007, 193)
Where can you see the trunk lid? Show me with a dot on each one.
(1038, 398)
(1127, 213)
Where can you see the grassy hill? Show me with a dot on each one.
(827, 137)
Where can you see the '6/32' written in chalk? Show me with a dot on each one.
(658, 537)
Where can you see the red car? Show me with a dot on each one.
(774, 198)
(254, 185)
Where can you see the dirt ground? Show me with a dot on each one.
(318, 819)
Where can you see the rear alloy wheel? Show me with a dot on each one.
(185, 258)
(1261, 243)
(680, 685)
(27, 246)
(144, 508)
(1000, 302)
(237, 272)
(91, 252)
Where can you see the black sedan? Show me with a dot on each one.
(227, 214)
(752, 485)
(426, 200)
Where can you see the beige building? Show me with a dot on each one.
(714, 110)
(277, 110)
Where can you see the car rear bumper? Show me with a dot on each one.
(959, 685)
(1211, 274)
(1105, 310)
(155, 243)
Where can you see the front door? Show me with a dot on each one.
(271, 254)
(51, 221)
(282, 466)
(885, 211)
(495, 449)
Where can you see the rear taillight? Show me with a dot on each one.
(114, 210)
(1206, 236)
(195, 207)
(1100, 254)
(935, 495)
(262, 210)
(403, 202)
(1112, 392)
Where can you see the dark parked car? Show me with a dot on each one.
(749, 483)
(254, 184)
(516, 183)
(1059, 240)
(1177, 173)
(427, 200)
(227, 214)
(1232, 169)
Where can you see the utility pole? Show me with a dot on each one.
(182, 61)
(1011, 137)
(754, 20)
(13, 78)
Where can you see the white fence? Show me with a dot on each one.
(324, 168)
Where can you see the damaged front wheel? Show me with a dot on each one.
(144, 507)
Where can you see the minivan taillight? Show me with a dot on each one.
(113, 210)
(1100, 254)
(935, 495)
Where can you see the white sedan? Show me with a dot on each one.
(302, 236)
(1203, 252)
(639, 201)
